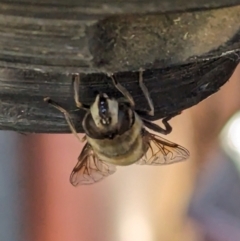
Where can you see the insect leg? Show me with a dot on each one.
(76, 83)
(146, 93)
(157, 128)
(168, 128)
(124, 91)
(67, 116)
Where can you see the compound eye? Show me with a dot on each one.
(103, 106)
(103, 109)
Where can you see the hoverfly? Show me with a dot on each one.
(118, 135)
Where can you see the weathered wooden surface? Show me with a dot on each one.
(98, 8)
(187, 55)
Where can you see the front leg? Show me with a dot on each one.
(76, 83)
(67, 117)
(123, 90)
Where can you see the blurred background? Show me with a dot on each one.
(196, 200)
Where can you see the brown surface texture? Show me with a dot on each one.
(188, 55)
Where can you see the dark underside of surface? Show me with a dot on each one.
(189, 49)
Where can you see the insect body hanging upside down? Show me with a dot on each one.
(117, 135)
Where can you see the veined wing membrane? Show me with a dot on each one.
(89, 168)
(162, 151)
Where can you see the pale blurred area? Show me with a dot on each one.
(196, 200)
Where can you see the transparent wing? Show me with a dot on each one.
(161, 151)
(89, 168)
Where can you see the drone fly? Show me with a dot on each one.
(117, 134)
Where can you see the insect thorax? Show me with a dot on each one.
(123, 149)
